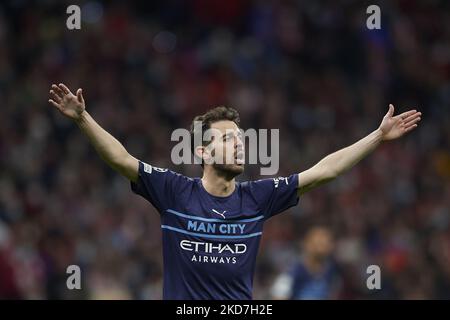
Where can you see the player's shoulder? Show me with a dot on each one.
(262, 182)
(165, 173)
(258, 188)
(264, 187)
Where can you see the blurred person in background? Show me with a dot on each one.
(314, 275)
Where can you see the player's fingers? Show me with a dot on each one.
(80, 95)
(55, 96)
(412, 127)
(56, 105)
(412, 116)
(57, 90)
(412, 121)
(406, 114)
(64, 88)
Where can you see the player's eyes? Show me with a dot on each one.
(230, 136)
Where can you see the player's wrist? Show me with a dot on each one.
(379, 135)
(82, 117)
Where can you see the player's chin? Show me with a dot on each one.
(239, 167)
(233, 169)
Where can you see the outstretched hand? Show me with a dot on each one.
(393, 127)
(70, 105)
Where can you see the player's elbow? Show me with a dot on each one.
(126, 165)
(316, 176)
(326, 172)
(330, 175)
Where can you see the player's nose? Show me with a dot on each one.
(238, 143)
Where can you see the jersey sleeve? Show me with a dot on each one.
(275, 195)
(158, 185)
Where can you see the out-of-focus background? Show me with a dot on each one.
(310, 68)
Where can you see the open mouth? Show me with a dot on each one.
(239, 158)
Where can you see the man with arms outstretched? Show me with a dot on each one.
(212, 226)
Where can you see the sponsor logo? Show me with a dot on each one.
(149, 168)
(222, 214)
(208, 247)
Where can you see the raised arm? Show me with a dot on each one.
(327, 169)
(108, 147)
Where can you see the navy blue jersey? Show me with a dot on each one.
(300, 284)
(314, 286)
(210, 243)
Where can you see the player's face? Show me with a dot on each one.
(319, 243)
(227, 148)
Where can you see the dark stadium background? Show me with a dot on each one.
(309, 68)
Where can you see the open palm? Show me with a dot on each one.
(393, 127)
(70, 105)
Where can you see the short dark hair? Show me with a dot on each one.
(211, 116)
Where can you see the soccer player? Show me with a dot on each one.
(212, 226)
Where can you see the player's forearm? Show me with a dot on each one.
(342, 160)
(108, 147)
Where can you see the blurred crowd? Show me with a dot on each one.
(309, 68)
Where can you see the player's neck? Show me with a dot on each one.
(218, 185)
